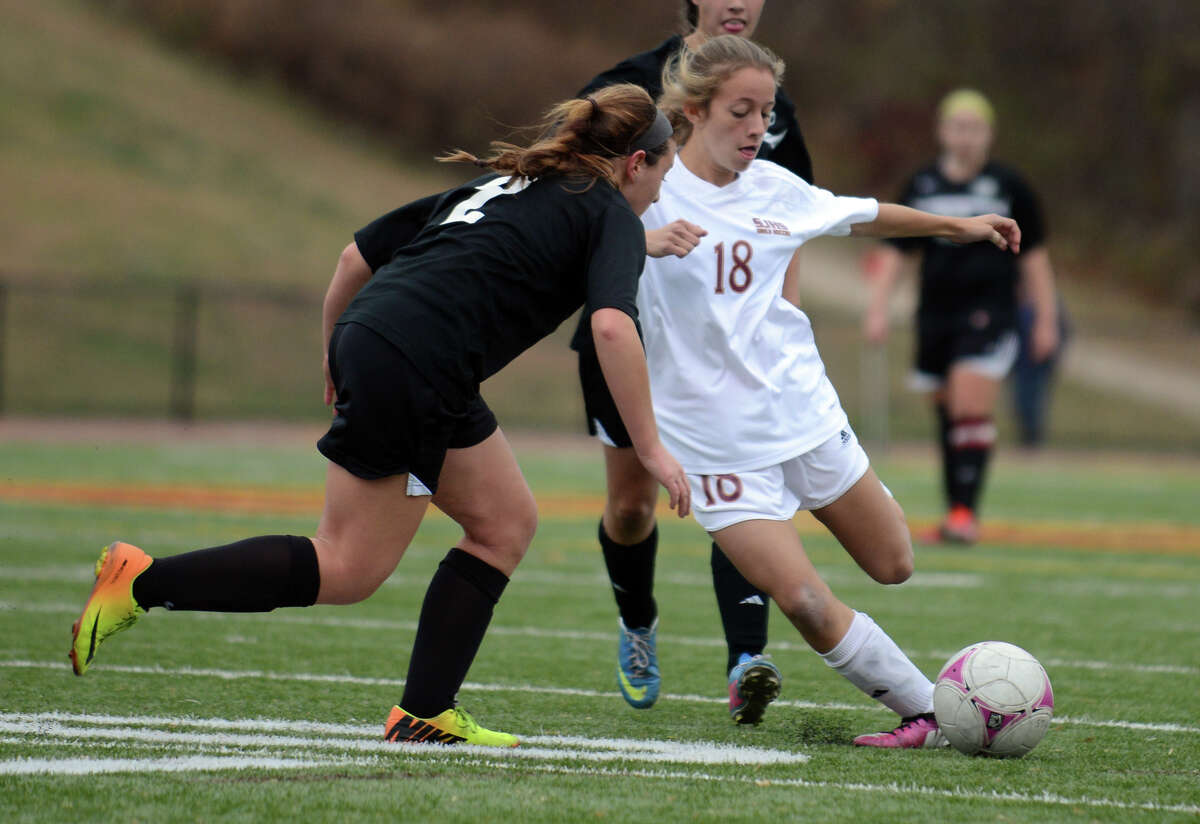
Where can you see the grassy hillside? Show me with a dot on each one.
(133, 169)
(119, 159)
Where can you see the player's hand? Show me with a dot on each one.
(666, 470)
(1001, 232)
(676, 238)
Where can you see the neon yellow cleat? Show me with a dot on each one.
(450, 727)
(110, 608)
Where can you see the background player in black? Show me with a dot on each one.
(487, 270)
(628, 535)
(967, 308)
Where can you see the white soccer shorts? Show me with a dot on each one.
(809, 481)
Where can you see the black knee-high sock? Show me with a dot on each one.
(971, 441)
(946, 451)
(631, 571)
(456, 613)
(743, 606)
(254, 575)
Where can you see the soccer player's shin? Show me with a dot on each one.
(454, 617)
(631, 571)
(254, 575)
(743, 607)
(871, 661)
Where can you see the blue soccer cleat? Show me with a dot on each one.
(753, 684)
(637, 665)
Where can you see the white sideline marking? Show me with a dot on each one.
(389, 625)
(191, 763)
(45, 725)
(234, 675)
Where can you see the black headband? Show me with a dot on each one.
(655, 136)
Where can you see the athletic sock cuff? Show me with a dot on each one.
(482, 575)
(650, 542)
(858, 634)
(304, 575)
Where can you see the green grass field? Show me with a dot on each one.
(204, 717)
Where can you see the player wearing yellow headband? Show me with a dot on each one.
(967, 314)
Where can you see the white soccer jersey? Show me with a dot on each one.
(736, 378)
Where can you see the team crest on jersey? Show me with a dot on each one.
(770, 227)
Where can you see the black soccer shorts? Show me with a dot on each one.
(389, 420)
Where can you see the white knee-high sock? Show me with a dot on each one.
(871, 661)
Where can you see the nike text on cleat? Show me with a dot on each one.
(110, 608)
(753, 684)
(917, 732)
(453, 726)
(637, 665)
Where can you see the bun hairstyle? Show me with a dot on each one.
(692, 77)
(581, 137)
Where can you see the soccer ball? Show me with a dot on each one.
(993, 698)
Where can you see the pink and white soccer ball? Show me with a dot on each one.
(993, 698)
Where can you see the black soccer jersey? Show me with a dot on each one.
(783, 143)
(467, 280)
(960, 279)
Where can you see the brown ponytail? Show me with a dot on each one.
(580, 138)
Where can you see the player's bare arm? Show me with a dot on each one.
(350, 275)
(676, 238)
(623, 362)
(901, 221)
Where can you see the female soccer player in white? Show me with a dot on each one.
(740, 393)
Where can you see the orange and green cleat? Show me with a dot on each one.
(110, 608)
(960, 526)
(453, 726)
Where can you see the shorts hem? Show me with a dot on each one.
(357, 468)
(741, 516)
(835, 498)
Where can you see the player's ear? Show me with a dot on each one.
(635, 164)
(695, 114)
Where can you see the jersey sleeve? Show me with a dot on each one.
(618, 254)
(1027, 211)
(380, 239)
(835, 214)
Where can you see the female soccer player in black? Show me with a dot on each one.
(628, 534)
(484, 271)
(967, 310)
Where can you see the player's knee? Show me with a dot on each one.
(506, 537)
(894, 570)
(630, 517)
(347, 580)
(807, 606)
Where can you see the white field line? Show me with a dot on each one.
(388, 625)
(55, 725)
(395, 683)
(360, 740)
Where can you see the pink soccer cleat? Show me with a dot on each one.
(917, 732)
